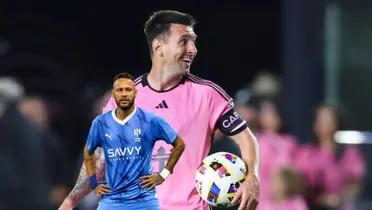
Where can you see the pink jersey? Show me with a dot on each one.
(323, 170)
(296, 203)
(194, 108)
(276, 150)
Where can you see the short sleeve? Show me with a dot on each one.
(93, 140)
(162, 130)
(230, 123)
(219, 103)
(353, 164)
(224, 117)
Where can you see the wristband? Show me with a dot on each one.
(164, 173)
(93, 183)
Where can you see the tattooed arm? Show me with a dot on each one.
(81, 187)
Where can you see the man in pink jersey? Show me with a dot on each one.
(194, 107)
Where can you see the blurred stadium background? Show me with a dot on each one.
(65, 53)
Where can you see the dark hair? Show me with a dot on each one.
(283, 127)
(335, 110)
(124, 75)
(159, 23)
(338, 116)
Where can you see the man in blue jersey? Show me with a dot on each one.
(127, 135)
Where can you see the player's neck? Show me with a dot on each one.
(327, 142)
(121, 114)
(162, 80)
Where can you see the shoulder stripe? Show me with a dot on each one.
(210, 83)
(199, 80)
(138, 80)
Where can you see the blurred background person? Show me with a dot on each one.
(277, 148)
(34, 108)
(287, 188)
(333, 172)
(266, 86)
(24, 182)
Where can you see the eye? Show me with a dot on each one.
(183, 41)
(128, 89)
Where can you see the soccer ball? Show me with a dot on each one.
(219, 177)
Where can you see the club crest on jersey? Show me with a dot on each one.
(137, 135)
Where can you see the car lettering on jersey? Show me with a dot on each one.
(125, 151)
(232, 118)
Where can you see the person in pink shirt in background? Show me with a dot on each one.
(276, 148)
(333, 172)
(287, 188)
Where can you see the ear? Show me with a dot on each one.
(157, 47)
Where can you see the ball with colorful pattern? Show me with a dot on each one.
(218, 178)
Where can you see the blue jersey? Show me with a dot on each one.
(128, 145)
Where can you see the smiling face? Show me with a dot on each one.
(124, 93)
(177, 48)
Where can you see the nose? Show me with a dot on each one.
(124, 94)
(191, 49)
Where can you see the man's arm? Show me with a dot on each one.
(248, 191)
(151, 181)
(90, 165)
(81, 187)
(176, 152)
(89, 162)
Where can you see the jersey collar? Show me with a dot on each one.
(145, 83)
(122, 122)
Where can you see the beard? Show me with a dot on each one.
(126, 106)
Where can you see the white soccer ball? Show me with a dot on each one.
(219, 177)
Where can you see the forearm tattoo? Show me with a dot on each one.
(81, 187)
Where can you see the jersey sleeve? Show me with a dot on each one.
(162, 130)
(93, 140)
(353, 164)
(224, 117)
(110, 105)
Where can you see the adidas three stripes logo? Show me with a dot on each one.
(162, 105)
